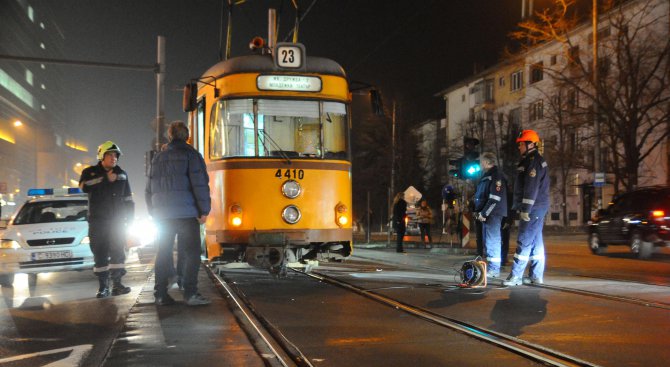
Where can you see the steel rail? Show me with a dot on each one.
(254, 323)
(528, 350)
(252, 326)
(626, 299)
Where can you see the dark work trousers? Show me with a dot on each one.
(108, 244)
(187, 232)
(504, 235)
(400, 233)
(424, 229)
(480, 238)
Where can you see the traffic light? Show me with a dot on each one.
(470, 165)
(471, 169)
(376, 102)
(470, 151)
(457, 171)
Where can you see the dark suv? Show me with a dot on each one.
(639, 219)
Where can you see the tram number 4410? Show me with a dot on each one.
(290, 174)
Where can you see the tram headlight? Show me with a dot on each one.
(291, 214)
(341, 215)
(236, 215)
(291, 189)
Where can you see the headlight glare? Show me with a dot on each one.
(9, 244)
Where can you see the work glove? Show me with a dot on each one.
(524, 216)
(480, 217)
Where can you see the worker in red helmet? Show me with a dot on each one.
(531, 201)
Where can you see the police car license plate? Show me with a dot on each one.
(51, 255)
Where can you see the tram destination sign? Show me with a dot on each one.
(295, 83)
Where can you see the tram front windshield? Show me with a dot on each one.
(279, 128)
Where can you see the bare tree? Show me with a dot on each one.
(633, 75)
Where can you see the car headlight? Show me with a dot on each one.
(9, 244)
(85, 241)
(291, 214)
(291, 189)
(341, 217)
(143, 232)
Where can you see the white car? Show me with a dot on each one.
(48, 233)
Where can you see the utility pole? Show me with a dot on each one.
(160, 91)
(596, 121)
(393, 145)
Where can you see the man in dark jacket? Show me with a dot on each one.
(531, 200)
(491, 207)
(110, 208)
(177, 196)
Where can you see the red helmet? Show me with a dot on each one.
(528, 135)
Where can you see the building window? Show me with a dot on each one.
(463, 98)
(573, 56)
(43, 86)
(555, 215)
(42, 25)
(536, 111)
(572, 99)
(31, 13)
(29, 77)
(43, 67)
(536, 72)
(515, 117)
(42, 46)
(501, 81)
(552, 61)
(516, 80)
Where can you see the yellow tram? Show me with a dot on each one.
(274, 129)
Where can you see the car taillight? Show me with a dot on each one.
(658, 214)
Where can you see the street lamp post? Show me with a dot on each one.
(596, 121)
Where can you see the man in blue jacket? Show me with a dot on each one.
(177, 196)
(491, 207)
(531, 200)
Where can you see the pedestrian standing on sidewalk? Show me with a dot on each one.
(110, 209)
(491, 207)
(399, 212)
(531, 200)
(177, 196)
(425, 219)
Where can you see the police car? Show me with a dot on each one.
(48, 233)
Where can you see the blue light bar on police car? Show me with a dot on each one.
(63, 191)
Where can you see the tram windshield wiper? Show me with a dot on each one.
(274, 144)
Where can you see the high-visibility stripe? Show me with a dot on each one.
(93, 181)
(544, 164)
(488, 212)
(101, 269)
(494, 197)
(521, 168)
(537, 257)
(117, 266)
(493, 259)
(528, 201)
(521, 257)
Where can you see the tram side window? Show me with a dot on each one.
(335, 131)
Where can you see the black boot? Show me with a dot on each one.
(118, 288)
(103, 290)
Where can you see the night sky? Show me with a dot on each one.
(410, 49)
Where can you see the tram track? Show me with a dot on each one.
(600, 295)
(290, 355)
(531, 351)
(276, 349)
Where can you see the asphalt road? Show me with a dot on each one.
(58, 320)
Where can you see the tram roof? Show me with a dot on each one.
(265, 64)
